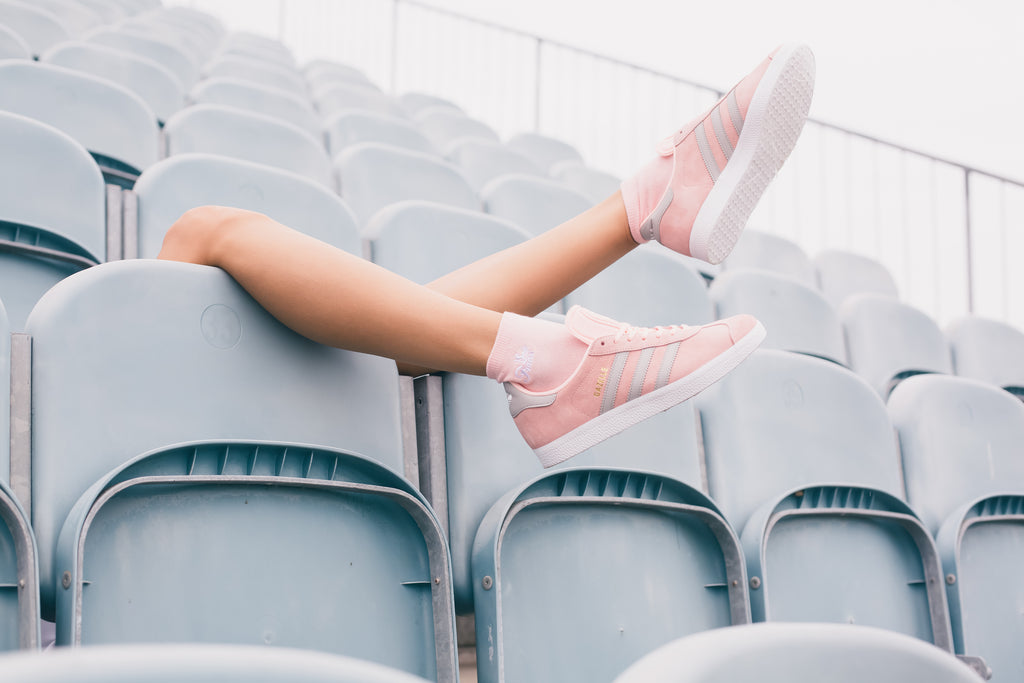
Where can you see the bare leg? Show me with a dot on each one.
(530, 277)
(334, 297)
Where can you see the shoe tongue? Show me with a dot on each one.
(588, 326)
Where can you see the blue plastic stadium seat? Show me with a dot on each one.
(216, 129)
(756, 249)
(195, 32)
(160, 50)
(12, 45)
(414, 102)
(173, 186)
(672, 291)
(888, 341)
(155, 84)
(422, 240)
(797, 317)
(45, 237)
(801, 456)
(842, 273)
(322, 74)
(372, 176)
(251, 70)
(38, 27)
(165, 522)
(343, 97)
(250, 96)
(446, 126)
(780, 653)
(195, 663)
(76, 17)
(961, 442)
(596, 185)
(484, 160)
(256, 46)
(352, 127)
(113, 123)
(109, 11)
(545, 151)
(989, 351)
(535, 204)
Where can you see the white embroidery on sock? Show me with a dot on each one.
(524, 365)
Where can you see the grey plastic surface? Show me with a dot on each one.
(423, 241)
(372, 176)
(197, 520)
(37, 156)
(19, 577)
(179, 352)
(545, 150)
(216, 129)
(352, 127)
(649, 286)
(177, 184)
(340, 97)
(484, 160)
(535, 204)
(38, 27)
(276, 76)
(102, 116)
(802, 456)
(756, 249)
(888, 340)
(109, 11)
(257, 46)
(247, 95)
(160, 50)
(797, 317)
(596, 185)
(783, 420)
(322, 73)
(608, 564)
(196, 663)
(5, 395)
(445, 126)
(781, 653)
(13, 46)
(414, 102)
(988, 350)
(961, 441)
(155, 84)
(77, 18)
(842, 273)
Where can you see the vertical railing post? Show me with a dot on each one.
(969, 240)
(536, 87)
(394, 46)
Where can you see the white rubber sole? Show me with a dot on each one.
(771, 128)
(629, 413)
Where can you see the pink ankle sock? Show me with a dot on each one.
(535, 353)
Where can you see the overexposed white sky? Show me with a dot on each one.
(941, 76)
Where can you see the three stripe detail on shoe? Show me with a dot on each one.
(732, 108)
(640, 372)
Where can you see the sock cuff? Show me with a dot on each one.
(504, 347)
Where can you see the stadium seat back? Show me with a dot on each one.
(989, 351)
(158, 87)
(756, 249)
(535, 204)
(596, 185)
(484, 160)
(153, 47)
(373, 175)
(545, 151)
(267, 74)
(343, 97)
(352, 127)
(842, 273)
(233, 92)
(216, 129)
(798, 318)
(37, 27)
(445, 126)
(177, 184)
(888, 340)
(12, 45)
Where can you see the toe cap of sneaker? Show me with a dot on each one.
(740, 325)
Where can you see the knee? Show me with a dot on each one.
(191, 237)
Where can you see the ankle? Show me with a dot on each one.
(534, 353)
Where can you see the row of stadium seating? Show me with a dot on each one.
(181, 458)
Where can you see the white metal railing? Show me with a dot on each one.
(945, 230)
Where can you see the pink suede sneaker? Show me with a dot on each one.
(627, 375)
(695, 197)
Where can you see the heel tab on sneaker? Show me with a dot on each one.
(588, 326)
(519, 400)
